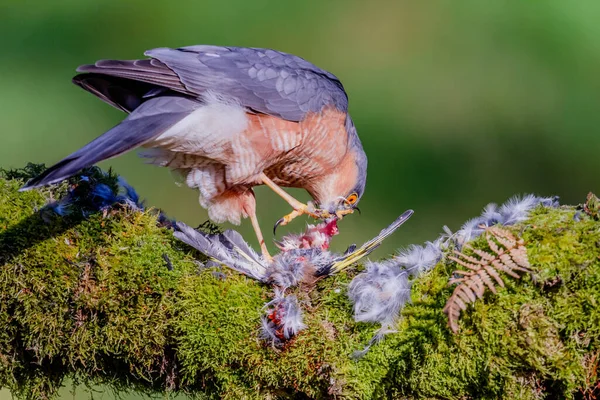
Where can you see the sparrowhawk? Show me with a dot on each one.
(228, 119)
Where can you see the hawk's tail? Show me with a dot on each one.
(147, 121)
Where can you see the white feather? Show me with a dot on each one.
(208, 130)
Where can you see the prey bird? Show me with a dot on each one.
(229, 119)
(302, 262)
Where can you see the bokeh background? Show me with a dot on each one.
(458, 104)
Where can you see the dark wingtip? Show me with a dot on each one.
(35, 182)
(50, 176)
(26, 188)
(78, 78)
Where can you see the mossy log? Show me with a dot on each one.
(114, 299)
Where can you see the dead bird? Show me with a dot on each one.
(303, 260)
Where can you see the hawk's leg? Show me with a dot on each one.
(249, 207)
(299, 207)
(259, 236)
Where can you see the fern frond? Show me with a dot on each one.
(506, 253)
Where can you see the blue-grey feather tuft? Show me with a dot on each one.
(513, 211)
(293, 267)
(418, 259)
(380, 292)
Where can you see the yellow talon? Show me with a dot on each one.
(302, 209)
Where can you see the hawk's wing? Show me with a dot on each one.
(264, 80)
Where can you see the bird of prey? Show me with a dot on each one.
(229, 119)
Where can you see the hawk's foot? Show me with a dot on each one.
(303, 209)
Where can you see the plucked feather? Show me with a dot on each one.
(348, 259)
(513, 211)
(380, 292)
(418, 259)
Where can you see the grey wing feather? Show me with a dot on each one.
(150, 71)
(372, 244)
(227, 248)
(262, 80)
(265, 80)
(367, 248)
(240, 245)
(146, 122)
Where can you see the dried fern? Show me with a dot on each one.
(507, 254)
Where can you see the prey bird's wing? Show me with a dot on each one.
(226, 248)
(239, 245)
(149, 120)
(346, 260)
(262, 80)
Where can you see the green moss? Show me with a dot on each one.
(94, 300)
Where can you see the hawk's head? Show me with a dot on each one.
(338, 192)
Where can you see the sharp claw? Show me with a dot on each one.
(279, 222)
(317, 214)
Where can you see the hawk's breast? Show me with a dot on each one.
(301, 151)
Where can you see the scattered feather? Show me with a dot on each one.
(378, 337)
(93, 191)
(165, 257)
(295, 267)
(380, 292)
(419, 259)
(283, 319)
(513, 211)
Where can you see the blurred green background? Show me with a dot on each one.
(457, 103)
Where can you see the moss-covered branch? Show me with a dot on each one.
(96, 300)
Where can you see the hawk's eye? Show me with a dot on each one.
(352, 198)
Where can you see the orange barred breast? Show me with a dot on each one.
(294, 153)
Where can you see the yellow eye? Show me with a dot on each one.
(352, 198)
